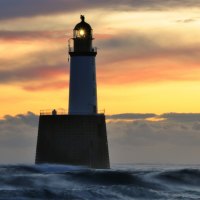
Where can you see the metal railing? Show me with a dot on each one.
(61, 111)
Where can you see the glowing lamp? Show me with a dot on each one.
(82, 32)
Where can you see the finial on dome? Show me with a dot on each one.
(82, 18)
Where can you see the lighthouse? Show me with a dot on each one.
(78, 137)
(82, 91)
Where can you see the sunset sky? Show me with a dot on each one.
(148, 61)
(148, 54)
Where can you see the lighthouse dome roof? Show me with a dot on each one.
(83, 25)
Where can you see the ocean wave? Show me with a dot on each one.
(182, 176)
(72, 182)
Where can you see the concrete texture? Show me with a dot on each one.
(73, 140)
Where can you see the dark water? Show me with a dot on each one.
(121, 182)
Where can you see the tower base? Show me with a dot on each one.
(73, 139)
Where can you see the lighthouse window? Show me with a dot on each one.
(82, 32)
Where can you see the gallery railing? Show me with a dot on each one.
(65, 112)
(53, 112)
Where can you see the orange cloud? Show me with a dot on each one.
(148, 71)
(32, 36)
(54, 85)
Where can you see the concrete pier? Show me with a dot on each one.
(73, 139)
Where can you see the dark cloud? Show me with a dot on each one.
(29, 119)
(176, 117)
(28, 8)
(182, 117)
(31, 73)
(139, 46)
(33, 35)
(36, 65)
(196, 126)
(131, 116)
(18, 136)
(151, 133)
(154, 142)
(40, 64)
(138, 141)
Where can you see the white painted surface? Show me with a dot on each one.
(82, 93)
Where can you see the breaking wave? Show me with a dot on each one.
(79, 183)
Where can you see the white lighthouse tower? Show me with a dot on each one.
(82, 90)
(80, 137)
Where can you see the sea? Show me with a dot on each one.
(130, 181)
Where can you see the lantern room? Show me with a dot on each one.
(82, 36)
